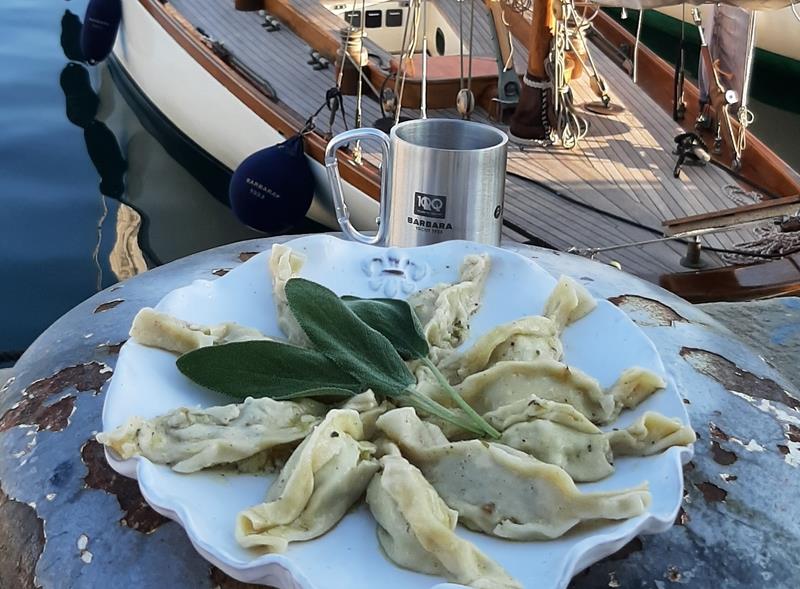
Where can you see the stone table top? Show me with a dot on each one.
(68, 520)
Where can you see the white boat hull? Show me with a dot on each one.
(205, 111)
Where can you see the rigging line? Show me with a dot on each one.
(636, 47)
(510, 61)
(408, 53)
(359, 90)
(423, 106)
(471, 28)
(744, 114)
(346, 43)
(794, 10)
(461, 43)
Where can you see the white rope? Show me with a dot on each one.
(407, 53)
(570, 127)
(744, 114)
(636, 47)
(794, 9)
(509, 64)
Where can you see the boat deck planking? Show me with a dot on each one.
(623, 166)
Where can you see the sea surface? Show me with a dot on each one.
(88, 196)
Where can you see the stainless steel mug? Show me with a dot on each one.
(441, 179)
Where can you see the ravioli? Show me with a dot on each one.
(284, 263)
(369, 410)
(159, 330)
(529, 338)
(568, 302)
(324, 476)
(526, 500)
(650, 434)
(444, 311)
(193, 439)
(416, 529)
(557, 434)
(508, 382)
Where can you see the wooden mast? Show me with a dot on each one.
(529, 121)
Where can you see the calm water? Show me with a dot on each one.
(65, 232)
(74, 196)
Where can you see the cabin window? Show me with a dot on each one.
(353, 18)
(439, 41)
(394, 17)
(374, 19)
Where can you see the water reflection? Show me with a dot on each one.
(161, 212)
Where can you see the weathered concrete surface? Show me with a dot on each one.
(739, 526)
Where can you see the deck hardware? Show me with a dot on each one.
(692, 258)
(270, 22)
(691, 150)
(317, 62)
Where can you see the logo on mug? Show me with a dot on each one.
(429, 205)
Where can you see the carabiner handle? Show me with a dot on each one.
(335, 181)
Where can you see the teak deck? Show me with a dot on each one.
(624, 165)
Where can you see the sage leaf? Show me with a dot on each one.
(266, 369)
(351, 344)
(395, 320)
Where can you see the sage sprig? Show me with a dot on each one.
(267, 369)
(369, 338)
(358, 344)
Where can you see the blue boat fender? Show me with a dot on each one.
(272, 189)
(100, 28)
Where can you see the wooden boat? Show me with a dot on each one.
(615, 187)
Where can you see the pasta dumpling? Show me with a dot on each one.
(416, 529)
(193, 439)
(160, 330)
(324, 476)
(526, 500)
(444, 311)
(568, 302)
(284, 263)
(650, 434)
(529, 338)
(508, 382)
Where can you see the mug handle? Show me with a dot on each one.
(335, 181)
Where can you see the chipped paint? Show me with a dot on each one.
(138, 515)
(612, 580)
(721, 455)
(220, 271)
(244, 256)
(111, 349)
(711, 492)
(647, 311)
(21, 543)
(735, 379)
(107, 306)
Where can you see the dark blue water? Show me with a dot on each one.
(88, 200)
(57, 228)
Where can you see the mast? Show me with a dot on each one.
(530, 120)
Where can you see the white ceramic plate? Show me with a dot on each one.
(147, 383)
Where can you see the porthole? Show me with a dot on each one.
(439, 41)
